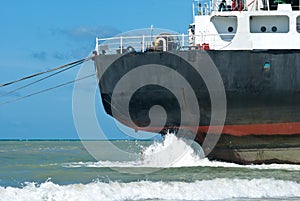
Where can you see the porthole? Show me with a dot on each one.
(274, 28)
(230, 29)
(263, 29)
(267, 66)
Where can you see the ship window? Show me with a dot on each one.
(270, 24)
(223, 24)
(267, 66)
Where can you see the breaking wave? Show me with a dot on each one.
(216, 189)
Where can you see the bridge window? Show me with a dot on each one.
(270, 24)
(226, 26)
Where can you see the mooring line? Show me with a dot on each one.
(44, 72)
(48, 89)
(39, 80)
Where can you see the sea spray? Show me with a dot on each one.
(175, 152)
(171, 152)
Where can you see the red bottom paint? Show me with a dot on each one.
(292, 128)
(259, 129)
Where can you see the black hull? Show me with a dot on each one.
(262, 99)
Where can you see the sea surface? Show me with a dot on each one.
(65, 170)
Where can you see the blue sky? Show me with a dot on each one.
(38, 35)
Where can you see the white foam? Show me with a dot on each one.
(172, 152)
(176, 152)
(216, 189)
(199, 163)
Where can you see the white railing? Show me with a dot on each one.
(204, 7)
(143, 43)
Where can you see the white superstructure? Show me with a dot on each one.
(220, 25)
(239, 25)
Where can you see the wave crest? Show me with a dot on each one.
(215, 189)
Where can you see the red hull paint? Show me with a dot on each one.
(259, 129)
(292, 128)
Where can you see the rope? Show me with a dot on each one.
(47, 71)
(48, 89)
(251, 3)
(39, 80)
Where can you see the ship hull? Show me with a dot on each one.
(262, 88)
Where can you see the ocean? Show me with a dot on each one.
(65, 170)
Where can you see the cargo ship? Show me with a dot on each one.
(240, 62)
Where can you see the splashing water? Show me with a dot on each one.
(77, 181)
(172, 152)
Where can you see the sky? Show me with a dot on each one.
(39, 35)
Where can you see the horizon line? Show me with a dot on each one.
(78, 140)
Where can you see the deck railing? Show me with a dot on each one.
(179, 42)
(202, 7)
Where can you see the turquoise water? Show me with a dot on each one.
(65, 170)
